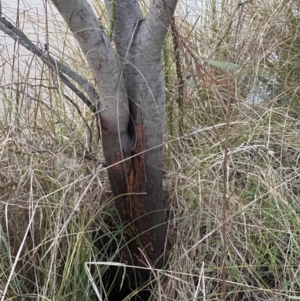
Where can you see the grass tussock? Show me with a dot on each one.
(231, 162)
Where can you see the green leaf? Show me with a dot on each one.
(191, 83)
(223, 65)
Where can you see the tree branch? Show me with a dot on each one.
(55, 65)
(157, 22)
(126, 14)
(102, 60)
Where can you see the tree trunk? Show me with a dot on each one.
(131, 113)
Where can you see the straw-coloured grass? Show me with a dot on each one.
(231, 163)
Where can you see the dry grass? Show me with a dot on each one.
(232, 171)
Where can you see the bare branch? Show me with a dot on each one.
(55, 65)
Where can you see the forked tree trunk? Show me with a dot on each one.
(131, 112)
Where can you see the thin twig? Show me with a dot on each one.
(178, 63)
(226, 197)
(85, 122)
(227, 29)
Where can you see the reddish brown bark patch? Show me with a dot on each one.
(131, 206)
(128, 178)
(138, 189)
(118, 164)
(102, 126)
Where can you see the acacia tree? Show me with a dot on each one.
(130, 108)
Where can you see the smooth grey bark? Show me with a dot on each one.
(131, 110)
(113, 110)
